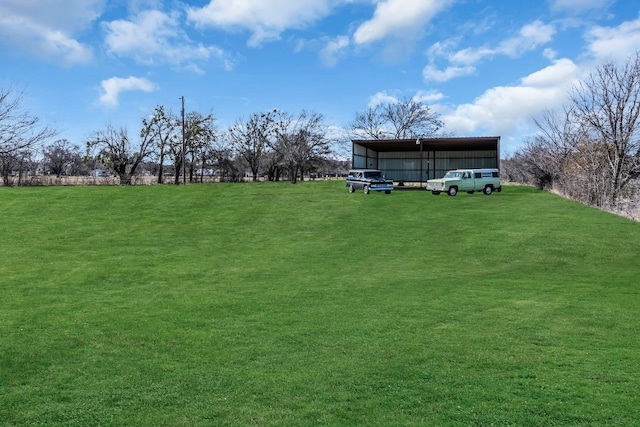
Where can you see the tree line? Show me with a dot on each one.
(188, 147)
(589, 150)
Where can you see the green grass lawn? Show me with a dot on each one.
(293, 305)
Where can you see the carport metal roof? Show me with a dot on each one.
(431, 144)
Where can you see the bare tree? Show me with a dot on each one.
(62, 157)
(370, 124)
(406, 119)
(546, 154)
(514, 168)
(273, 165)
(591, 152)
(15, 163)
(608, 105)
(161, 130)
(586, 176)
(250, 139)
(300, 140)
(116, 151)
(19, 131)
(200, 134)
(27, 164)
(223, 159)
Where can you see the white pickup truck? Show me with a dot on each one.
(469, 180)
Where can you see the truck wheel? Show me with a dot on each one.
(488, 190)
(351, 189)
(452, 191)
(366, 189)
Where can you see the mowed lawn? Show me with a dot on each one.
(295, 305)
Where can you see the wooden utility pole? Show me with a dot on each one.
(184, 170)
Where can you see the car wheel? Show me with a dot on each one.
(452, 191)
(488, 190)
(351, 189)
(366, 189)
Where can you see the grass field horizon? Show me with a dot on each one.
(280, 304)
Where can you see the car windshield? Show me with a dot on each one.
(375, 174)
(453, 175)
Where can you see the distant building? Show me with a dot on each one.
(417, 160)
(100, 173)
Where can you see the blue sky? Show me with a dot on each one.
(486, 66)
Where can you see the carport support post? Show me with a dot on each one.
(420, 143)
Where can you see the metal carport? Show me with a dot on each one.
(416, 160)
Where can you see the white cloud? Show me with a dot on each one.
(153, 36)
(46, 27)
(433, 74)
(503, 109)
(333, 50)
(561, 73)
(382, 98)
(614, 43)
(68, 15)
(462, 62)
(114, 86)
(428, 96)
(266, 20)
(398, 17)
(549, 53)
(441, 48)
(471, 55)
(58, 44)
(529, 38)
(508, 110)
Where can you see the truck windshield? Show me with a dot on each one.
(372, 175)
(453, 175)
